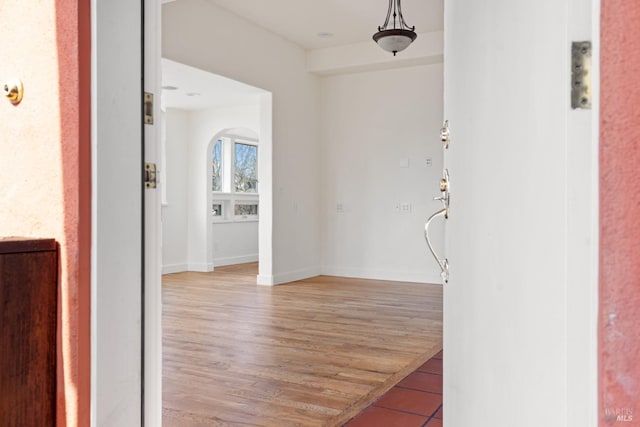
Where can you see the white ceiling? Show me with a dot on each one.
(350, 21)
(299, 21)
(213, 90)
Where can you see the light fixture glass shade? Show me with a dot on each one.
(395, 35)
(394, 40)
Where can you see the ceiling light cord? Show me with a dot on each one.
(395, 6)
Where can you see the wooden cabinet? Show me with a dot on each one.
(28, 312)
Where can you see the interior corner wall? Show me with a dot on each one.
(378, 130)
(175, 212)
(196, 33)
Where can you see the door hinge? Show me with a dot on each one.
(581, 75)
(148, 108)
(150, 175)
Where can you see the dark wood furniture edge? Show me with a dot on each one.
(11, 245)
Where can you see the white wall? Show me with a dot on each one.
(175, 250)
(196, 33)
(116, 252)
(374, 125)
(235, 243)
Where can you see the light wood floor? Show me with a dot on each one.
(310, 353)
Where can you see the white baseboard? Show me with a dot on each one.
(221, 262)
(292, 276)
(174, 268)
(288, 277)
(264, 280)
(305, 273)
(394, 276)
(201, 268)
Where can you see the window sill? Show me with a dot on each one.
(247, 219)
(231, 221)
(223, 195)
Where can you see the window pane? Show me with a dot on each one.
(216, 184)
(246, 209)
(217, 209)
(246, 176)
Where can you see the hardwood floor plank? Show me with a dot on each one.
(310, 353)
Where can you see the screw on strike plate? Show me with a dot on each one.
(13, 90)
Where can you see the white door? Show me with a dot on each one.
(519, 317)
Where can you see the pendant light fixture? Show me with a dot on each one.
(399, 37)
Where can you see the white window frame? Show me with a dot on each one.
(228, 197)
(229, 202)
(232, 171)
(245, 201)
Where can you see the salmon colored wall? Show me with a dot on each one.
(619, 331)
(45, 166)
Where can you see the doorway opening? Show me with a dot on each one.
(345, 204)
(215, 167)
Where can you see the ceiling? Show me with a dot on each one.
(197, 89)
(299, 21)
(349, 21)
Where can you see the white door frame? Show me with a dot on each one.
(152, 229)
(117, 217)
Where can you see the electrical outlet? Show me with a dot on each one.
(405, 207)
(340, 208)
(429, 162)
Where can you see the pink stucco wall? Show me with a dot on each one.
(45, 166)
(619, 331)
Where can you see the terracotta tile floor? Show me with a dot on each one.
(414, 401)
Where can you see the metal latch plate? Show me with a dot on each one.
(148, 108)
(581, 75)
(150, 175)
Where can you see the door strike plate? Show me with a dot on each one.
(148, 108)
(150, 175)
(581, 75)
